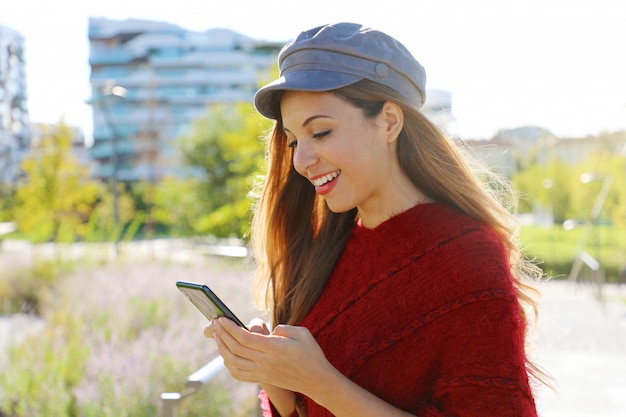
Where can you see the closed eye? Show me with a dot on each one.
(320, 135)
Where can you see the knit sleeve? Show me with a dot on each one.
(482, 363)
(482, 366)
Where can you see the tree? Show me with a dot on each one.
(177, 205)
(569, 191)
(225, 149)
(104, 225)
(549, 186)
(599, 168)
(55, 198)
(7, 201)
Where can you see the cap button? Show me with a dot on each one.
(382, 70)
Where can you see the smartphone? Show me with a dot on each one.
(206, 301)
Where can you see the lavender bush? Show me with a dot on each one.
(119, 335)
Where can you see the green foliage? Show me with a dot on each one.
(556, 248)
(22, 290)
(102, 225)
(133, 227)
(570, 192)
(56, 193)
(559, 189)
(601, 167)
(56, 200)
(225, 147)
(46, 368)
(548, 186)
(143, 193)
(178, 205)
(7, 202)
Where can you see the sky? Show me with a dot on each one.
(557, 64)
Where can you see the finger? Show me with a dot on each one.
(240, 368)
(209, 330)
(239, 365)
(229, 335)
(239, 341)
(232, 328)
(259, 349)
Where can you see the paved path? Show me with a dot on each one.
(582, 343)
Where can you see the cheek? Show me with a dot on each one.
(367, 151)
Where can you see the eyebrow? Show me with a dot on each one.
(309, 120)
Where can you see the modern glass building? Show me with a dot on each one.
(14, 123)
(151, 80)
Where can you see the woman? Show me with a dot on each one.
(389, 267)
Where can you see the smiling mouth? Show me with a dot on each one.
(318, 182)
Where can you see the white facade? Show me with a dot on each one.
(14, 125)
(168, 76)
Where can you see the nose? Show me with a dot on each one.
(304, 156)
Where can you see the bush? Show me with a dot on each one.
(45, 370)
(21, 290)
(115, 338)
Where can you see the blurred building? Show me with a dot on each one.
(14, 125)
(151, 80)
(511, 150)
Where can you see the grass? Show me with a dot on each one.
(556, 248)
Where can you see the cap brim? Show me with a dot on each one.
(266, 99)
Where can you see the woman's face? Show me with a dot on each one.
(350, 160)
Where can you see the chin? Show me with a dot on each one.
(338, 208)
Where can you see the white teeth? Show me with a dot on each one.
(326, 178)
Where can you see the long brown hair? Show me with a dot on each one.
(297, 239)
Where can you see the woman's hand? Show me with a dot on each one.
(289, 357)
(289, 360)
(284, 400)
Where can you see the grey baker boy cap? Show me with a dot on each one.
(334, 56)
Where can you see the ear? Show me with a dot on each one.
(393, 119)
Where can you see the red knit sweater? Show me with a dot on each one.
(422, 312)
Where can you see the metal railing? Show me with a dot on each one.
(195, 382)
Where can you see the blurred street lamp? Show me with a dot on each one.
(548, 185)
(607, 182)
(583, 257)
(113, 90)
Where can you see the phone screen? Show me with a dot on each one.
(206, 301)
